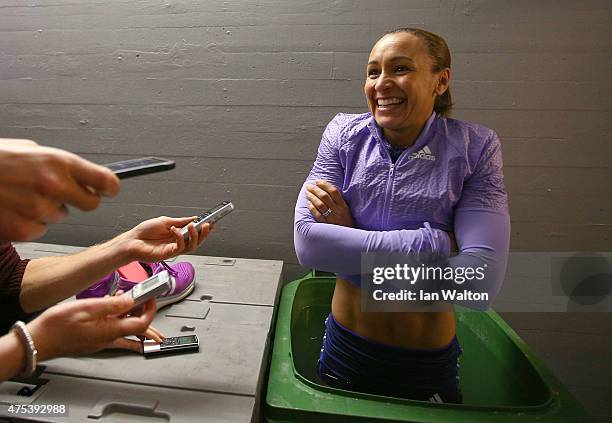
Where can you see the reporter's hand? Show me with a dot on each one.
(323, 197)
(160, 238)
(86, 326)
(132, 344)
(36, 184)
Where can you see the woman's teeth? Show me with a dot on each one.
(382, 102)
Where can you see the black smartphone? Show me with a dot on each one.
(173, 345)
(142, 166)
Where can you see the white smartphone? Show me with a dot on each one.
(150, 288)
(211, 216)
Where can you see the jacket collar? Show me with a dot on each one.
(421, 140)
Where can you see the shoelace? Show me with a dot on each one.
(172, 273)
(169, 269)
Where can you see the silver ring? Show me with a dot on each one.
(327, 212)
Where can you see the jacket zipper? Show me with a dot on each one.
(386, 211)
(385, 216)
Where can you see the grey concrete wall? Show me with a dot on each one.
(238, 92)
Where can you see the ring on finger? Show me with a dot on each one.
(327, 212)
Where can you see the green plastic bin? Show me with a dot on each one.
(502, 380)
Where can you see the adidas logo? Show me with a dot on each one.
(436, 398)
(424, 153)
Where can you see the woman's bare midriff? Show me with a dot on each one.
(419, 330)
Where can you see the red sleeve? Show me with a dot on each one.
(12, 268)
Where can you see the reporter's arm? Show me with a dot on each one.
(49, 280)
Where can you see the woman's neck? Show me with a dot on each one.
(404, 137)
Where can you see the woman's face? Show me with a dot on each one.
(400, 86)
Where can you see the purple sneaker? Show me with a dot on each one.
(182, 276)
(100, 288)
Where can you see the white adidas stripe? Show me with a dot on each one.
(436, 398)
(172, 287)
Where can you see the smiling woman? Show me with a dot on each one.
(408, 75)
(407, 179)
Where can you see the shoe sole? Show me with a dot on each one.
(166, 301)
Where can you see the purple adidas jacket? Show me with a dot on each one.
(450, 179)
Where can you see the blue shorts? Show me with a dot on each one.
(353, 362)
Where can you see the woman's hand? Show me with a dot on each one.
(160, 238)
(327, 205)
(89, 325)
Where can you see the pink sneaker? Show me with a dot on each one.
(182, 276)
